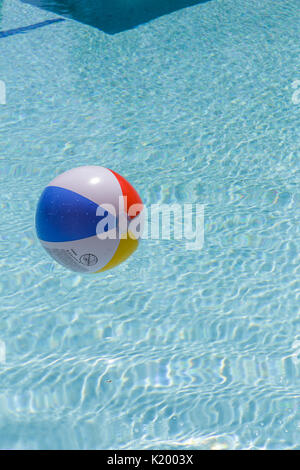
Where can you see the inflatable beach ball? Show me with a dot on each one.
(89, 219)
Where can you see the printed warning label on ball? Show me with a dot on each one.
(66, 258)
(88, 259)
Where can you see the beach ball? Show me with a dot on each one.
(89, 219)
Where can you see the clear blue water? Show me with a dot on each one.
(174, 349)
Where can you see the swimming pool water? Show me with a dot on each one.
(174, 349)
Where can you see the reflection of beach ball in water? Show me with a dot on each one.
(88, 219)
